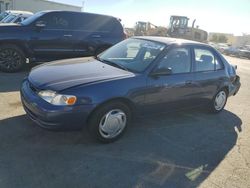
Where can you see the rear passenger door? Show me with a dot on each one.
(93, 32)
(208, 72)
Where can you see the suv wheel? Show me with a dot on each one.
(219, 101)
(12, 58)
(109, 122)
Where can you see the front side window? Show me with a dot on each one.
(206, 61)
(178, 60)
(56, 21)
(133, 54)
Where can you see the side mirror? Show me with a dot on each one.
(161, 72)
(40, 24)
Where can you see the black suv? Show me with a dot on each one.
(51, 35)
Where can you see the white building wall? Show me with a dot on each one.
(6, 5)
(36, 5)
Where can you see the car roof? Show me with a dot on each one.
(48, 11)
(18, 12)
(22, 14)
(169, 41)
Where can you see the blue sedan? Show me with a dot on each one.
(138, 76)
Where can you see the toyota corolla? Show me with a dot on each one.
(138, 76)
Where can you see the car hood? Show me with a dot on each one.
(64, 74)
(9, 24)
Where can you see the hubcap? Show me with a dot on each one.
(10, 59)
(112, 123)
(220, 100)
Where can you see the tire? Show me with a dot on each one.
(219, 101)
(116, 112)
(12, 58)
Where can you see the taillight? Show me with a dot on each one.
(233, 78)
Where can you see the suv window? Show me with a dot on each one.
(95, 23)
(178, 60)
(57, 20)
(206, 61)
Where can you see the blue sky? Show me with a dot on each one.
(230, 16)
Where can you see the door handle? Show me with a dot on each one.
(188, 82)
(67, 35)
(96, 36)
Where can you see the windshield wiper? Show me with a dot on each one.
(112, 63)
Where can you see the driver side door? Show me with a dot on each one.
(54, 40)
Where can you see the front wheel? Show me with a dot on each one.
(109, 122)
(12, 58)
(219, 101)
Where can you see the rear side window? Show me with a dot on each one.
(206, 61)
(94, 23)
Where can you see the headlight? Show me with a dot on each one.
(57, 99)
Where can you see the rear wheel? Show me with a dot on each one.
(109, 122)
(12, 58)
(219, 101)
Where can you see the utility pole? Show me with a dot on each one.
(83, 4)
(13, 5)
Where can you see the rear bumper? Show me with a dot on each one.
(234, 88)
(50, 116)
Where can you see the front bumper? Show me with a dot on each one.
(50, 116)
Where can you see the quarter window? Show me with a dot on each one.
(178, 60)
(206, 61)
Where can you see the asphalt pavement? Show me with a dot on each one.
(183, 149)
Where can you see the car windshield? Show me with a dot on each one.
(3, 15)
(133, 54)
(9, 18)
(32, 18)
